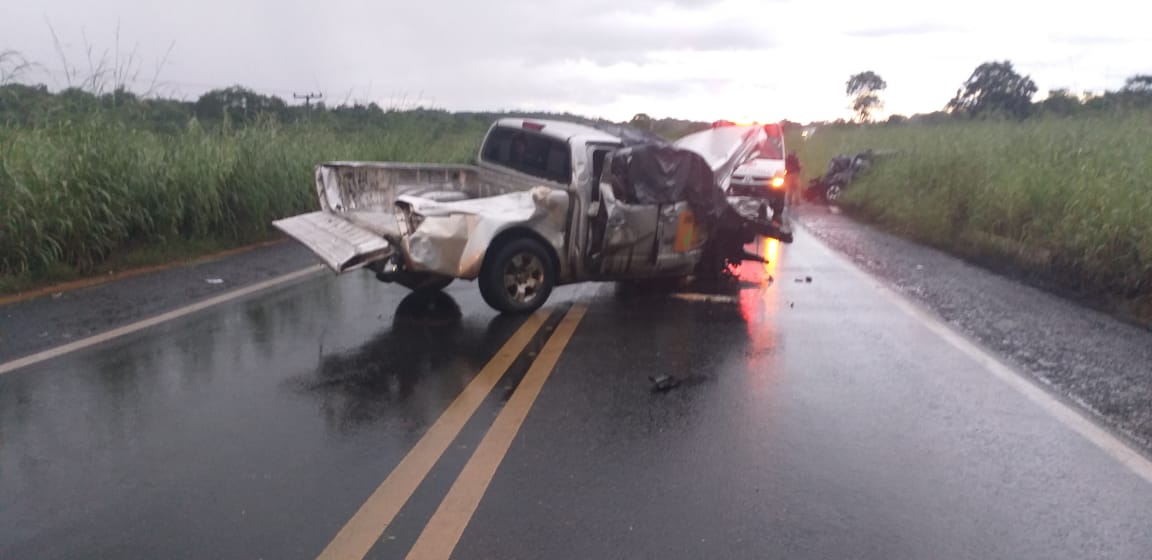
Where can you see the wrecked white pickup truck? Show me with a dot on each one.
(548, 203)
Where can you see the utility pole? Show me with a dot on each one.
(308, 97)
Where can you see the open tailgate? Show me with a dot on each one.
(339, 243)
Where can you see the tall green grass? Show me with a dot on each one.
(75, 194)
(1070, 198)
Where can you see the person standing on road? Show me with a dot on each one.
(792, 177)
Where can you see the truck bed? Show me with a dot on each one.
(357, 222)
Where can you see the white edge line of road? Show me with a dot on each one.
(155, 320)
(1070, 417)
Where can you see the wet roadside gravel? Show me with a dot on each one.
(1099, 362)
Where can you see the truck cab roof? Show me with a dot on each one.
(561, 130)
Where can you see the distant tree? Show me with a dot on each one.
(1136, 93)
(75, 101)
(994, 88)
(1097, 102)
(934, 117)
(119, 97)
(168, 115)
(23, 104)
(864, 89)
(641, 120)
(1060, 102)
(897, 119)
(240, 104)
(1140, 83)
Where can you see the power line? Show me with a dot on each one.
(308, 97)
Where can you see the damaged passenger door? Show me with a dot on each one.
(680, 240)
(622, 236)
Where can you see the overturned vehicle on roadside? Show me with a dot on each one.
(842, 171)
(548, 203)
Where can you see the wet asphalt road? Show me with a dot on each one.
(1096, 360)
(813, 420)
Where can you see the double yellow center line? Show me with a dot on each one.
(443, 530)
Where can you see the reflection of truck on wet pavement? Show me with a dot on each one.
(548, 203)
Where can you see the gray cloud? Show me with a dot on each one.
(1089, 40)
(910, 29)
(687, 57)
(601, 31)
(610, 41)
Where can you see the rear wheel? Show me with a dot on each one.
(518, 278)
(833, 193)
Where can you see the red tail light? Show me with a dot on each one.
(533, 126)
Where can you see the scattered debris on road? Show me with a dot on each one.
(663, 383)
(214, 281)
(708, 298)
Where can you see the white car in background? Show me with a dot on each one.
(763, 176)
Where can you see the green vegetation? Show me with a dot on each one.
(80, 186)
(1069, 199)
(95, 182)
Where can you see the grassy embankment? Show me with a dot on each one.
(93, 194)
(1067, 201)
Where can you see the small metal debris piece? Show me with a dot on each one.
(808, 279)
(662, 383)
(799, 280)
(214, 280)
(791, 305)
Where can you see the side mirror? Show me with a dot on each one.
(594, 209)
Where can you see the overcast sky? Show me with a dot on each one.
(698, 59)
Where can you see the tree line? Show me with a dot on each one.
(236, 106)
(993, 90)
(996, 90)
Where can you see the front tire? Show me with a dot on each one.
(518, 278)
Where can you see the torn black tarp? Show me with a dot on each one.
(662, 174)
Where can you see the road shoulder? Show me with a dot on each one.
(34, 325)
(1100, 363)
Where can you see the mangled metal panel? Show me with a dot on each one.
(724, 148)
(340, 244)
(358, 223)
(344, 186)
(451, 238)
(351, 186)
(649, 174)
